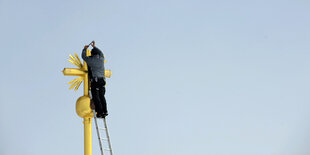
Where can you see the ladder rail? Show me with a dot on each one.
(108, 136)
(98, 133)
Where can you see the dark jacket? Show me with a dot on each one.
(95, 62)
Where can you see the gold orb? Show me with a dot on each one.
(83, 107)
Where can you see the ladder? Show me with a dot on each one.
(105, 139)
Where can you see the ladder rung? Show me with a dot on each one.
(107, 149)
(103, 138)
(102, 128)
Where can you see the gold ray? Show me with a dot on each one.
(78, 85)
(105, 61)
(73, 85)
(76, 79)
(74, 63)
(73, 81)
(77, 62)
(77, 57)
(74, 59)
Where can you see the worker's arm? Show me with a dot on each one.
(84, 53)
(97, 50)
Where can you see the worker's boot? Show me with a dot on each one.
(105, 114)
(99, 115)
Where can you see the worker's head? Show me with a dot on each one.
(95, 52)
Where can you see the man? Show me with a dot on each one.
(96, 74)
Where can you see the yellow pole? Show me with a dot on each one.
(87, 136)
(86, 80)
(87, 120)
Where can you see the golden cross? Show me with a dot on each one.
(82, 72)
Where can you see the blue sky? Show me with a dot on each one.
(189, 77)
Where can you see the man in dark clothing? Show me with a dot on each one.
(96, 73)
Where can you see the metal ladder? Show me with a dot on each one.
(101, 139)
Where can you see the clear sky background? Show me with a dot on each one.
(190, 77)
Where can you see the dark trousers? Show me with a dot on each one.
(98, 91)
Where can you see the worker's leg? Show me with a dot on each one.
(96, 97)
(102, 100)
(101, 96)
